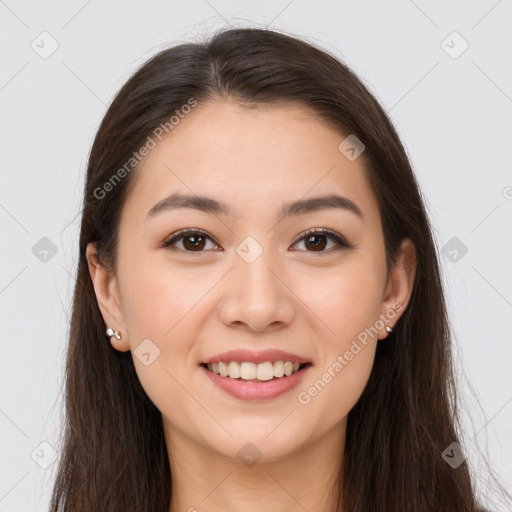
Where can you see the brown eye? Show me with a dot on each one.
(316, 240)
(192, 240)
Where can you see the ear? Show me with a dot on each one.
(400, 285)
(108, 297)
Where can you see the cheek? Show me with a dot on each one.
(349, 305)
(163, 304)
(345, 355)
(334, 389)
(347, 300)
(159, 307)
(157, 297)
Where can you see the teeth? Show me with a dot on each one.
(234, 370)
(223, 369)
(265, 371)
(278, 369)
(249, 371)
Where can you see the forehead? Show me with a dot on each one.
(250, 158)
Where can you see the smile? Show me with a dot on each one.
(255, 372)
(252, 388)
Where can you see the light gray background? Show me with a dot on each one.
(453, 114)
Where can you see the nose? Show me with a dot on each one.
(256, 296)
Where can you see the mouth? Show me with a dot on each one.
(245, 371)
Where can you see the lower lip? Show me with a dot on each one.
(256, 391)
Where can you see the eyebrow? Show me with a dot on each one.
(212, 206)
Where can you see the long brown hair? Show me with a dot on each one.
(113, 455)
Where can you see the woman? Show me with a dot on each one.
(258, 319)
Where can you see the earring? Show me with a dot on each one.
(111, 333)
(388, 329)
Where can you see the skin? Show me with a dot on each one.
(195, 304)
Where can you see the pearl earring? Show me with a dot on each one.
(111, 332)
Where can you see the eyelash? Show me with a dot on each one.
(340, 240)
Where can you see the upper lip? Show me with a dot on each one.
(255, 357)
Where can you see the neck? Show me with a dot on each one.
(204, 480)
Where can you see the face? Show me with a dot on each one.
(249, 277)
